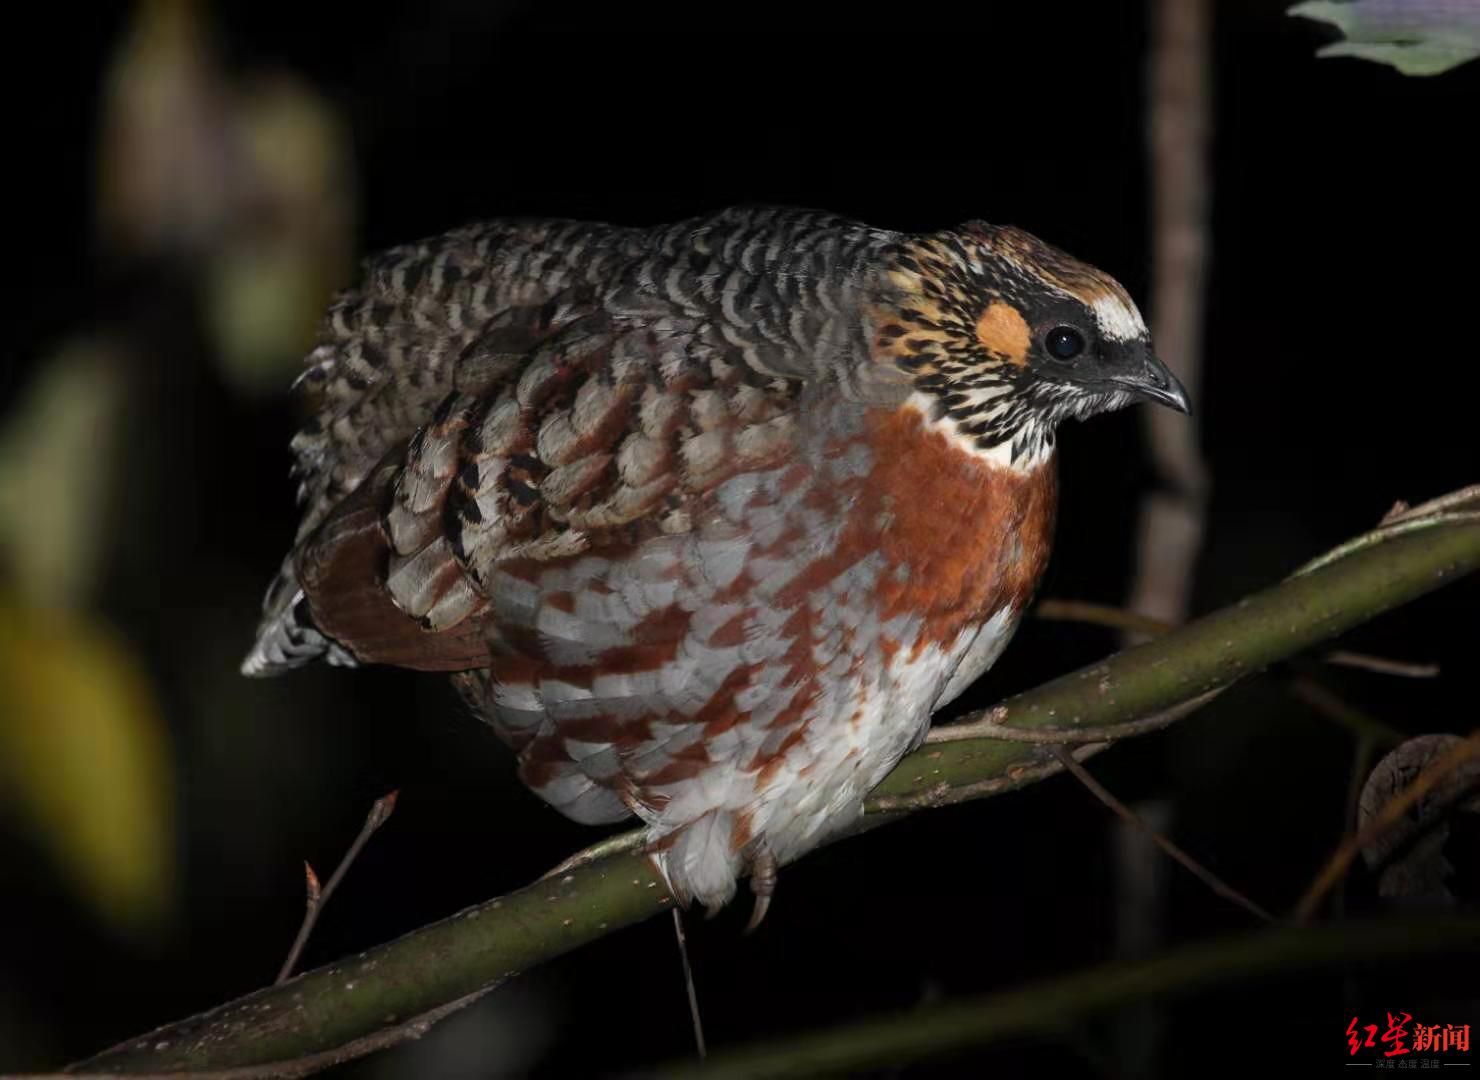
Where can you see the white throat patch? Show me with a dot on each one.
(1036, 448)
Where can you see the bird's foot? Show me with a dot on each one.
(762, 884)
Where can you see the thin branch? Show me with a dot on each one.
(883, 806)
(1391, 814)
(1362, 756)
(380, 812)
(1114, 618)
(688, 981)
(623, 843)
(1382, 665)
(991, 724)
(1405, 526)
(1083, 611)
(1334, 707)
(1186, 861)
(1045, 1008)
(344, 1003)
(1466, 498)
(1178, 121)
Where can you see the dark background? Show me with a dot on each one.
(1341, 357)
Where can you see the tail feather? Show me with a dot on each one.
(286, 635)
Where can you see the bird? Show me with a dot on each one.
(707, 519)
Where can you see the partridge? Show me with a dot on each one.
(706, 519)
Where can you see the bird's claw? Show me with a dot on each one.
(762, 884)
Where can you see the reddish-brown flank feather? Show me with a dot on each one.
(342, 571)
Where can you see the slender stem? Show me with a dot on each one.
(988, 724)
(688, 981)
(1333, 706)
(1362, 755)
(1466, 498)
(621, 844)
(1202, 873)
(1085, 611)
(380, 812)
(1381, 665)
(1403, 527)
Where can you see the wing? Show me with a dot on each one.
(613, 433)
(765, 289)
(571, 530)
(388, 353)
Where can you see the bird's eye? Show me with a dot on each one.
(1064, 343)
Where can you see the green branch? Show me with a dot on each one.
(394, 991)
(1047, 1007)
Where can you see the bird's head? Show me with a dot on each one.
(1002, 336)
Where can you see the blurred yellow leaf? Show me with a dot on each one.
(84, 758)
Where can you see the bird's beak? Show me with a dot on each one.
(1156, 383)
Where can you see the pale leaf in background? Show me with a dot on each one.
(1418, 37)
(243, 177)
(272, 276)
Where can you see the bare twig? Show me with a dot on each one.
(380, 812)
(1206, 876)
(1362, 755)
(1382, 665)
(620, 844)
(1405, 525)
(1466, 498)
(990, 725)
(1334, 707)
(882, 805)
(1390, 815)
(1084, 611)
(688, 981)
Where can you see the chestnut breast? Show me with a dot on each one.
(963, 536)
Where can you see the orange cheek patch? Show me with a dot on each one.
(1003, 332)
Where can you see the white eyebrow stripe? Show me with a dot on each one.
(1118, 320)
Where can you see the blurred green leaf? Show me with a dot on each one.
(271, 278)
(85, 759)
(57, 453)
(1418, 37)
